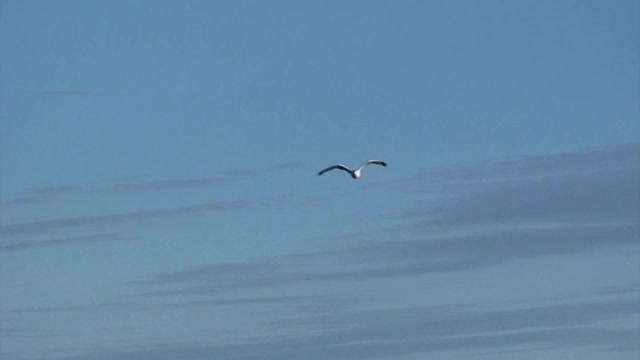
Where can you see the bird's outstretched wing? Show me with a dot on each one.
(339, 166)
(376, 162)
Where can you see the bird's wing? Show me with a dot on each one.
(377, 162)
(339, 166)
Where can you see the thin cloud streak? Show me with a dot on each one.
(619, 290)
(396, 332)
(69, 308)
(176, 184)
(401, 259)
(230, 176)
(286, 166)
(60, 190)
(43, 226)
(420, 246)
(66, 93)
(86, 239)
(521, 167)
(47, 194)
(255, 300)
(549, 213)
(596, 197)
(558, 215)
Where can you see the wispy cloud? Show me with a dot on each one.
(176, 183)
(60, 190)
(68, 308)
(571, 212)
(311, 303)
(387, 259)
(49, 193)
(189, 183)
(519, 167)
(254, 300)
(66, 93)
(52, 226)
(36, 227)
(52, 193)
(611, 195)
(11, 329)
(6, 246)
(619, 289)
(396, 332)
(364, 334)
(285, 166)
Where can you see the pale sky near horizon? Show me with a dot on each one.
(159, 197)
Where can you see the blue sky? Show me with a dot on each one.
(159, 197)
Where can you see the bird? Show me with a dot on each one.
(354, 173)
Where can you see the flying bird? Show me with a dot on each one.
(354, 173)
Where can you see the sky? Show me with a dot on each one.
(159, 196)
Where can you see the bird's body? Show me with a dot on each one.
(355, 173)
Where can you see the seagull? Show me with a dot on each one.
(354, 173)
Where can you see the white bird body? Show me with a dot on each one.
(355, 173)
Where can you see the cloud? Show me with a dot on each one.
(176, 183)
(66, 93)
(192, 183)
(43, 226)
(50, 193)
(47, 227)
(395, 332)
(519, 167)
(59, 190)
(68, 308)
(602, 196)
(119, 305)
(619, 289)
(583, 206)
(440, 321)
(285, 166)
(388, 259)
(10, 329)
(230, 270)
(254, 300)
(28, 244)
(569, 209)
(47, 194)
